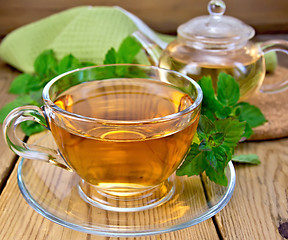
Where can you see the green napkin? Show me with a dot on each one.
(86, 32)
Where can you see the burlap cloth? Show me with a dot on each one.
(274, 107)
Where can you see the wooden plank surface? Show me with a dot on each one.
(18, 221)
(257, 210)
(259, 204)
(162, 15)
(7, 157)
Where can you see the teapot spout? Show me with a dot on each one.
(153, 48)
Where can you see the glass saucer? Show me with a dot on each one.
(53, 192)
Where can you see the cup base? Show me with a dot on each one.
(129, 201)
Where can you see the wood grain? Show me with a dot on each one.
(163, 16)
(20, 222)
(260, 201)
(7, 157)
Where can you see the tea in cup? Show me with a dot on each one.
(123, 129)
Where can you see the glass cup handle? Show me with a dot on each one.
(280, 46)
(25, 150)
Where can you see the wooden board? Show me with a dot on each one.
(256, 210)
(162, 15)
(7, 157)
(259, 204)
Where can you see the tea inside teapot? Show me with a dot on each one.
(246, 64)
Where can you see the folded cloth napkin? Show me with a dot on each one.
(86, 32)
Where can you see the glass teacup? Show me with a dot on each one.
(123, 129)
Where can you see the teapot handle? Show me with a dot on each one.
(152, 49)
(280, 46)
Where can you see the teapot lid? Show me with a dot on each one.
(215, 30)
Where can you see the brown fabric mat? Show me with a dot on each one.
(274, 107)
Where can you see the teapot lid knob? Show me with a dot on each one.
(216, 7)
(215, 30)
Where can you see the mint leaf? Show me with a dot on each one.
(223, 113)
(210, 102)
(110, 57)
(222, 155)
(208, 113)
(67, 63)
(213, 140)
(212, 160)
(36, 96)
(251, 114)
(126, 53)
(18, 102)
(25, 83)
(205, 126)
(207, 88)
(247, 158)
(228, 91)
(232, 130)
(31, 127)
(217, 177)
(194, 164)
(248, 131)
(46, 63)
(128, 50)
(216, 139)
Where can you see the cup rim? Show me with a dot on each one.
(51, 104)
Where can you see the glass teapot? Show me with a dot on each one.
(208, 45)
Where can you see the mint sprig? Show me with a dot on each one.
(216, 148)
(126, 53)
(226, 103)
(29, 87)
(224, 121)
